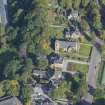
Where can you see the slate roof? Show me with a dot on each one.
(57, 59)
(3, 17)
(74, 13)
(9, 101)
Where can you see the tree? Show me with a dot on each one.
(27, 70)
(12, 33)
(2, 36)
(17, 14)
(85, 2)
(25, 94)
(96, 17)
(99, 93)
(11, 68)
(102, 36)
(42, 63)
(11, 87)
(65, 3)
(103, 2)
(44, 44)
(76, 4)
(85, 26)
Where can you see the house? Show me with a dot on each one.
(67, 33)
(53, 3)
(55, 80)
(42, 74)
(57, 75)
(66, 46)
(73, 15)
(57, 62)
(76, 34)
(3, 16)
(9, 100)
(61, 11)
(39, 97)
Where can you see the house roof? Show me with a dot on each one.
(57, 75)
(57, 59)
(41, 73)
(3, 17)
(9, 101)
(54, 3)
(74, 13)
(66, 44)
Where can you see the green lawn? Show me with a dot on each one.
(85, 50)
(78, 67)
(55, 32)
(103, 56)
(2, 30)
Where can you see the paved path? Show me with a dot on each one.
(57, 26)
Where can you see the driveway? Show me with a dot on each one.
(93, 74)
(94, 67)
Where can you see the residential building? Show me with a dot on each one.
(66, 46)
(53, 3)
(67, 33)
(57, 62)
(3, 14)
(76, 34)
(40, 73)
(74, 15)
(9, 100)
(39, 97)
(57, 75)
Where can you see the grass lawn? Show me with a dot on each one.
(2, 30)
(83, 54)
(56, 32)
(85, 50)
(60, 92)
(51, 16)
(101, 74)
(103, 56)
(78, 67)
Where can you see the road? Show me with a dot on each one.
(94, 67)
(93, 73)
(3, 14)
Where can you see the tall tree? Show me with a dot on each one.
(85, 2)
(11, 68)
(25, 94)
